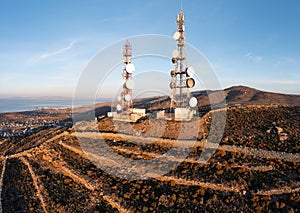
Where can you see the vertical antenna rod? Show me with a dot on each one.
(181, 5)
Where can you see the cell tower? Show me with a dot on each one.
(124, 108)
(181, 80)
(128, 84)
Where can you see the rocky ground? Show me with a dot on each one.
(253, 169)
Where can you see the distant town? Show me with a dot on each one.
(19, 124)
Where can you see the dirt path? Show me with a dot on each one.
(142, 154)
(254, 168)
(33, 149)
(76, 178)
(138, 139)
(283, 190)
(73, 149)
(82, 181)
(58, 167)
(189, 143)
(213, 186)
(265, 154)
(35, 183)
(115, 204)
(104, 161)
(177, 180)
(124, 150)
(1, 182)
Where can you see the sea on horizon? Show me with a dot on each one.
(30, 104)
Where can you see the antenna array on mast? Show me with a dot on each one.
(124, 107)
(181, 76)
(128, 83)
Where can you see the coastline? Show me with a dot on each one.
(10, 105)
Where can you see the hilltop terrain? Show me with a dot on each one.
(234, 96)
(256, 167)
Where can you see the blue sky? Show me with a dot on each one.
(45, 45)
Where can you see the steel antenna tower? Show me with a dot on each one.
(128, 83)
(180, 82)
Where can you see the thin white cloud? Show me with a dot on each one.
(254, 58)
(51, 54)
(285, 61)
(57, 52)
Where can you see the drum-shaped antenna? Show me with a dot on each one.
(176, 36)
(130, 68)
(172, 85)
(173, 73)
(190, 82)
(119, 108)
(127, 97)
(129, 84)
(193, 102)
(190, 72)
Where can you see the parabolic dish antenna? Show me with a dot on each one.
(190, 82)
(119, 108)
(129, 84)
(175, 54)
(172, 85)
(130, 68)
(190, 72)
(173, 73)
(127, 97)
(193, 102)
(176, 36)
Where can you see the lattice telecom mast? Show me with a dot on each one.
(128, 68)
(181, 75)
